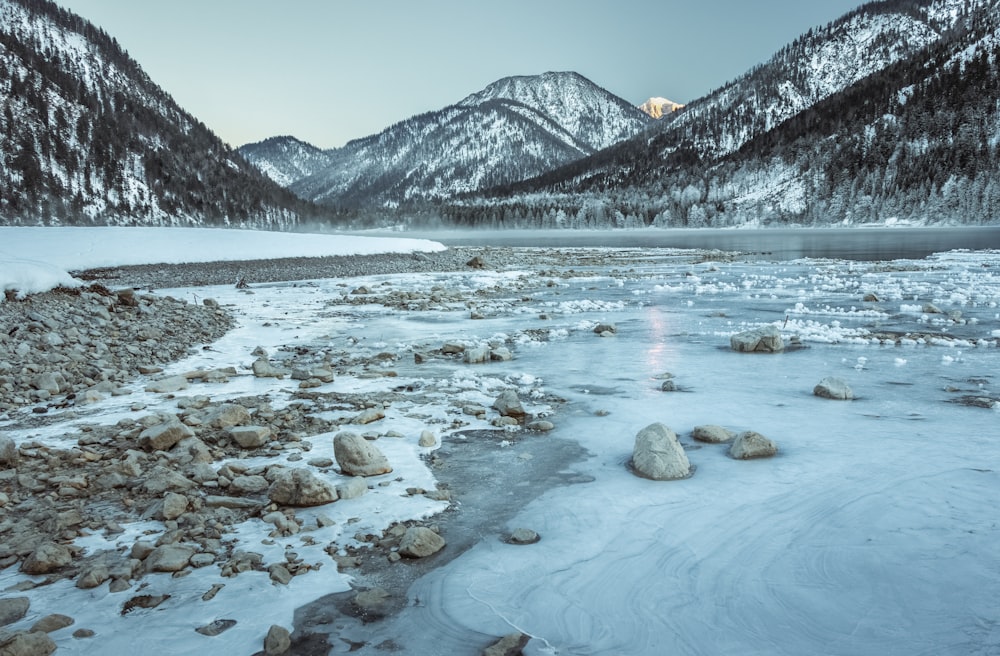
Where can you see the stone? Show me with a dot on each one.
(833, 388)
(300, 487)
(8, 453)
(352, 488)
(476, 263)
(233, 503)
(759, 340)
(871, 298)
(48, 382)
(13, 609)
(524, 536)
(93, 576)
(216, 627)
(249, 484)
(508, 405)
(34, 643)
(750, 444)
(51, 623)
(161, 479)
(169, 558)
(658, 454)
(668, 386)
(368, 416)
(168, 385)
(604, 329)
(420, 542)
(452, 348)
(250, 437)
(48, 557)
(372, 599)
(712, 434)
(358, 457)
(262, 368)
(930, 308)
(163, 436)
(228, 415)
(509, 645)
(277, 641)
(174, 505)
(476, 355)
(540, 426)
(279, 574)
(427, 439)
(501, 354)
(83, 633)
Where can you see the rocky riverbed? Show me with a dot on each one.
(203, 460)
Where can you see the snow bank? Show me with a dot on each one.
(37, 259)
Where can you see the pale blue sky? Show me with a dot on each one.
(327, 71)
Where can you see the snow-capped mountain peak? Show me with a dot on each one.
(657, 107)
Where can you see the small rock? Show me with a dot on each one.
(712, 434)
(216, 627)
(35, 643)
(476, 263)
(476, 355)
(658, 455)
(750, 444)
(79, 634)
(420, 542)
(604, 329)
(368, 416)
(760, 340)
(13, 609)
(277, 641)
(427, 439)
(168, 385)
(8, 452)
(668, 386)
(163, 436)
(501, 354)
(169, 558)
(358, 457)
(833, 388)
(279, 574)
(540, 425)
(300, 487)
(352, 488)
(174, 505)
(524, 536)
(51, 623)
(509, 645)
(508, 405)
(47, 558)
(250, 437)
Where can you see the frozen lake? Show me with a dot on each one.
(873, 531)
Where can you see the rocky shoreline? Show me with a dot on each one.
(70, 348)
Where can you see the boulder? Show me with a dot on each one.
(508, 405)
(250, 437)
(750, 444)
(368, 416)
(13, 609)
(658, 455)
(228, 415)
(174, 505)
(524, 536)
(759, 340)
(300, 487)
(833, 388)
(168, 385)
(53, 622)
(163, 436)
(34, 643)
(605, 329)
(48, 557)
(501, 354)
(509, 645)
(356, 456)
(420, 542)
(169, 558)
(712, 434)
(262, 368)
(476, 355)
(427, 439)
(352, 488)
(277, 641)
(248, 484)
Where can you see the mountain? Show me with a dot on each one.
(657, 107)
(286, 159)
(87, 137)
(515, 128)
(806, 137)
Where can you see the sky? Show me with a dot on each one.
(328, 71)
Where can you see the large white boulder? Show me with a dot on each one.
(658, 455)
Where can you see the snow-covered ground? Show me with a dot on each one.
(33, 260)
(873, 531)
